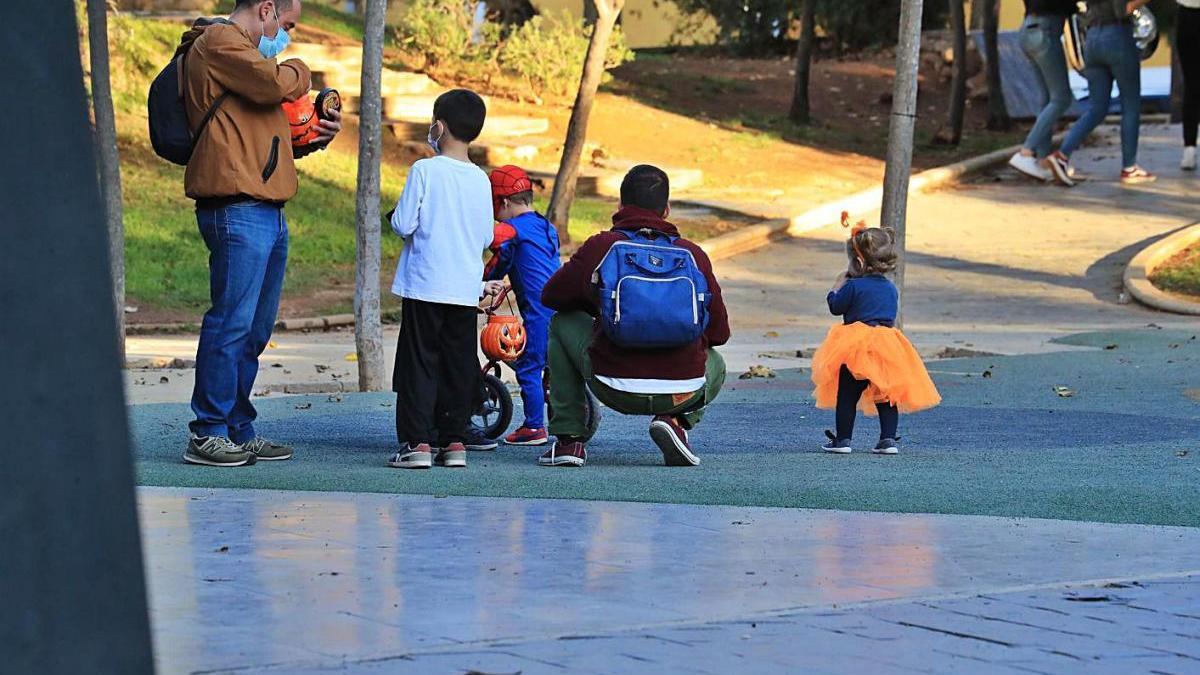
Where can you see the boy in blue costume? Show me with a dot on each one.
(525, 248)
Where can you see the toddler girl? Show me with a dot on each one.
(866, 361)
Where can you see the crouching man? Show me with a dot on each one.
(639, 312)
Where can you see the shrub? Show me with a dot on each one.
(439, 32)
(547, 53)
(542, 57)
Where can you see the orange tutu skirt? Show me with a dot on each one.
(879, 354)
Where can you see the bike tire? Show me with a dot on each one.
(495, 412)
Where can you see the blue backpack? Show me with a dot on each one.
(652, 293)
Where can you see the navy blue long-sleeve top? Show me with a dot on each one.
(872, 300)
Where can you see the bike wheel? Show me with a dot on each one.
(492, 417)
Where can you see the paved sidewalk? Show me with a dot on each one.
(1002, 264)
(281, 582)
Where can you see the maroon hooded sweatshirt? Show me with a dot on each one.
(571, 289)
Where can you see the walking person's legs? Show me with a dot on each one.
(1187, 45)
(241, 240)
(1041, 39)
(1126, 66)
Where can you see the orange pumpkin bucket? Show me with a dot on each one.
(503, 338)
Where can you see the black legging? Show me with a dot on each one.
(850, 391)
(1188, 43)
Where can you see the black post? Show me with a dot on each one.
(71, 578)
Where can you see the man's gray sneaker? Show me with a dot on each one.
(217, 451)
(267, 451)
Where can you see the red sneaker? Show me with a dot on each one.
(1137, 174)
(453, 456)
(565, 453)
(527, 436)
(672, 439)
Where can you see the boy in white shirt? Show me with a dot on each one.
(445, 218)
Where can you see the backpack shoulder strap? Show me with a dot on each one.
(212, 109)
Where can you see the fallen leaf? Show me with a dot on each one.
(987, 373)
(320, 367)
(351, 357)
(335, 398)
(1110, 347)
(1181, 453)
(304, 406)
(223, 549)
(757, 371)
(771, 334)
(1064, 392)
(276, 365)
(164, 380)
(271, 345)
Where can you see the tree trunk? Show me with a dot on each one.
(368, 332)
(958, 77)
(107, 157)
(998, 119)
(565, 180)
(800, 111)
(900, 132)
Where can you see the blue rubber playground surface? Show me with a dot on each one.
(1121, 445)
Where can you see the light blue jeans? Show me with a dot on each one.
(1111, 53)
(1041, 39)
(248, 247)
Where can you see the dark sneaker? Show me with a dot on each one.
(672, 439)
(1060, 166)
(1136, 174)
(411, 456)
(838, 446)
(216, 451)
(527, 436)
(453, 456)
(565, 453)
(887, 446)
(479, 442)
(267, 451)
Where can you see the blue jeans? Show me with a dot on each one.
(1041, 39)
(1111, 53)
(248, 246)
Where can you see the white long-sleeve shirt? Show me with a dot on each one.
(445, 217)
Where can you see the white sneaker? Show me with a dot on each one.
(1030, 167)
(1188, 163)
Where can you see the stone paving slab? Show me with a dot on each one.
(272, 581)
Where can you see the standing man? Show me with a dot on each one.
(241, 174)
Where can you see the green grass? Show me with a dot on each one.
(1180, 274)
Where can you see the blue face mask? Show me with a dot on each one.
(272, 47)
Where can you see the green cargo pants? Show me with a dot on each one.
(571, 376)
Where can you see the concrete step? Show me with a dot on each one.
(520, 151)
(414, 124)
(392, 82)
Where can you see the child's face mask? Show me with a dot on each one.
(435, 142)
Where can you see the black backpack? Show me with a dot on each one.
(170, 133)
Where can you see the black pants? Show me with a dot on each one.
(1188, 44)
(850, 391)
(436, 379)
